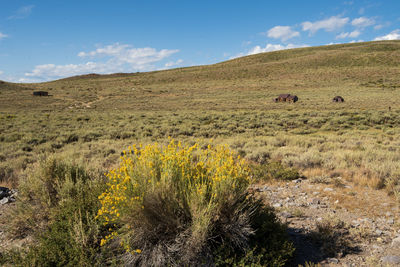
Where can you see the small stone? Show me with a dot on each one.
(396, 242)
(286, 214)
(4, 201)
(367, 220)
(277, 205)
(297, 181)
(379, 240)
(390, 221)
(347, 186)
(376, 247)
(378, 232)
(315, 201)
(355, 223)
(319, 219)
(315, 193)
(337, 201)
(328, 189)
(391, 259)
(388, 214)
(333, 260)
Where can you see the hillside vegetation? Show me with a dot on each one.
(94, 117)
(91, 119)
(363, 73)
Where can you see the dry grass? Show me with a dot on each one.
(94, 117)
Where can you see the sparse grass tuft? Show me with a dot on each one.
(333, 237)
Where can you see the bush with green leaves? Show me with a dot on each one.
(57, 205)
(273, 170)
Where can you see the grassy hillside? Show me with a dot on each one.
(363, 73)
(94, 117)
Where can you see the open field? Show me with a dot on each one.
(95, 117)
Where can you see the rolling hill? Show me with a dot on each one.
(367, 73)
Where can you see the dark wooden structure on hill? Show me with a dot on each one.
(338, 99)
(40, 93)
(292, 98)
(286, 98)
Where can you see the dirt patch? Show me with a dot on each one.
(344, 225)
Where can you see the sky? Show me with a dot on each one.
(46, 40)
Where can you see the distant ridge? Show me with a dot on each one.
(288, 55)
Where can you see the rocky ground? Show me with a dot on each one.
(335, 223)
(331, 222)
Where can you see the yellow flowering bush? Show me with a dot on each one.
(181, 205)
(197, 182)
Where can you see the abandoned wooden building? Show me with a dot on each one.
(40, 93)
(292, 98)
(286, 98)
(338, 99)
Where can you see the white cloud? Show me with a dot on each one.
(1, 72)
(282, 32)
(356, 41)
(172, 63)
(22, 12)
(342, 35)
(394, 35)
(55, 71)
(2, 35)
(111, 59)
(27, 80)
(329, 25)
(272, 47)
(353, 34)
(362, 22)
(268, 48)
(378, 27)
(138, 58)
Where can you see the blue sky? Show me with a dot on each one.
(52, 39)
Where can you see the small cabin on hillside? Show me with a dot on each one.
(282, 98)
(40, 93)
(286, 98)
(292, 98)
(338, 99)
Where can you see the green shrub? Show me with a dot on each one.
(71, 138)
(274, 170)
(57, 206)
